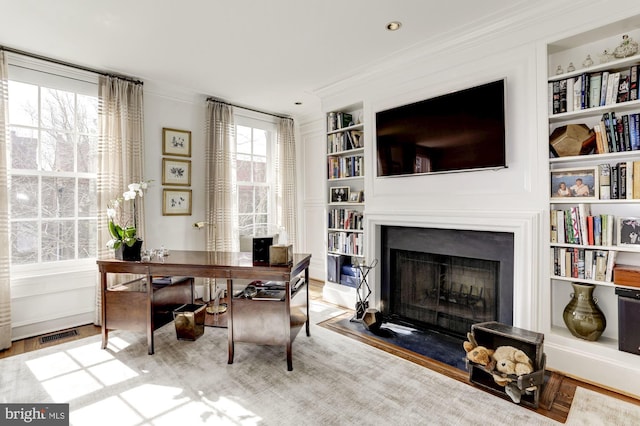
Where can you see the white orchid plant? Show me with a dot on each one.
(120, 227)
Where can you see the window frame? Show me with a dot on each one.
(45, 74)
(269, 124)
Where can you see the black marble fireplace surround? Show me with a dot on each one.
(444, 280)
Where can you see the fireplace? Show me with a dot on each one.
(445, 279)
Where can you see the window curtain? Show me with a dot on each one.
(286, 194)
(221, 206)
(120, 156)
(5, 248)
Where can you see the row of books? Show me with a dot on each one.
(345, 219)
(344, 141)
(590, 90)
(346, 243)
(617, 134)
(620, 181)
(339, 120)
(576, 225)
(583, 263)
(342, 167)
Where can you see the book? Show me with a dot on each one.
(595, 81)
(577, 91)
(612, 88)
(622, 180)
(583, 211)
(269, 294)
(623, 87)
(588, 264)
(556, 97)
(611, 261)
(562, 238)
(633, 83)
(629, 180)
(603, 89)
(166, 280)
(553, 222)
(626, 132)
(597, 230)
(563, 96)
(636, 180)
(601, 265)
(604, 181)
(606, 120)
(634, 131)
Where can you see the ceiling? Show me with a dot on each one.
(266, 55)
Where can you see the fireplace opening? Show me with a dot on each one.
(445, 280)
(442, 292)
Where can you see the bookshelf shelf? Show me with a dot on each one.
(584, 101)
(345, 153)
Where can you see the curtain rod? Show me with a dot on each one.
(247, 108)
(67, 64)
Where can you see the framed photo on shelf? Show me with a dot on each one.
(176, 172)
(354, 197)
(176, 142)
(579, 183)
(339, 194)
(176, 202)
(629, 231)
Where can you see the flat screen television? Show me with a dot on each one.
(459, 131)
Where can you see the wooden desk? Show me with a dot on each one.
(207, 264)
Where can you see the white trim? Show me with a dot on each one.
(525, 227)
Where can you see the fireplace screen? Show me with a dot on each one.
(449, 293)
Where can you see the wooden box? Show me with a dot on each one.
(627, 275)
(281, 254)
(494, 334)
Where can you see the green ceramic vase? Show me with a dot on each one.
(583, 317)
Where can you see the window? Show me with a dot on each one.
(254, 175)
(52, 163)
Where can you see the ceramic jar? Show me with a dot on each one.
(582, 316)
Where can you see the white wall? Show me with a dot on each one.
(177, 110)
(515, 51)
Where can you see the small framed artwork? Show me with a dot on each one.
(176, 172)
(629, 231)
(176, 142)
(339, 194)
(176, 202)
(354, 197)
(579, 183)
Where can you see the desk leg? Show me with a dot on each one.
(230, 318)
(150, 320)
(103, 308)
(306, 280)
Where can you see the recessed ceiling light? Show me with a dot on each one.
(394, 25)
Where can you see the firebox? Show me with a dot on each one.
(446, 280)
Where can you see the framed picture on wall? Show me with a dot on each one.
(176, 202)
(176, 142)
(578, 183)
(176, 172)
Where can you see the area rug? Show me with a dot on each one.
(335, 380)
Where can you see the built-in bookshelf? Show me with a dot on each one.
(588, 86)
(345, 203)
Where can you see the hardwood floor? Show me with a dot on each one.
(563, 387)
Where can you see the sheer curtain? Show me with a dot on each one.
(286, 195)
(5, 247)
(120, 154)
